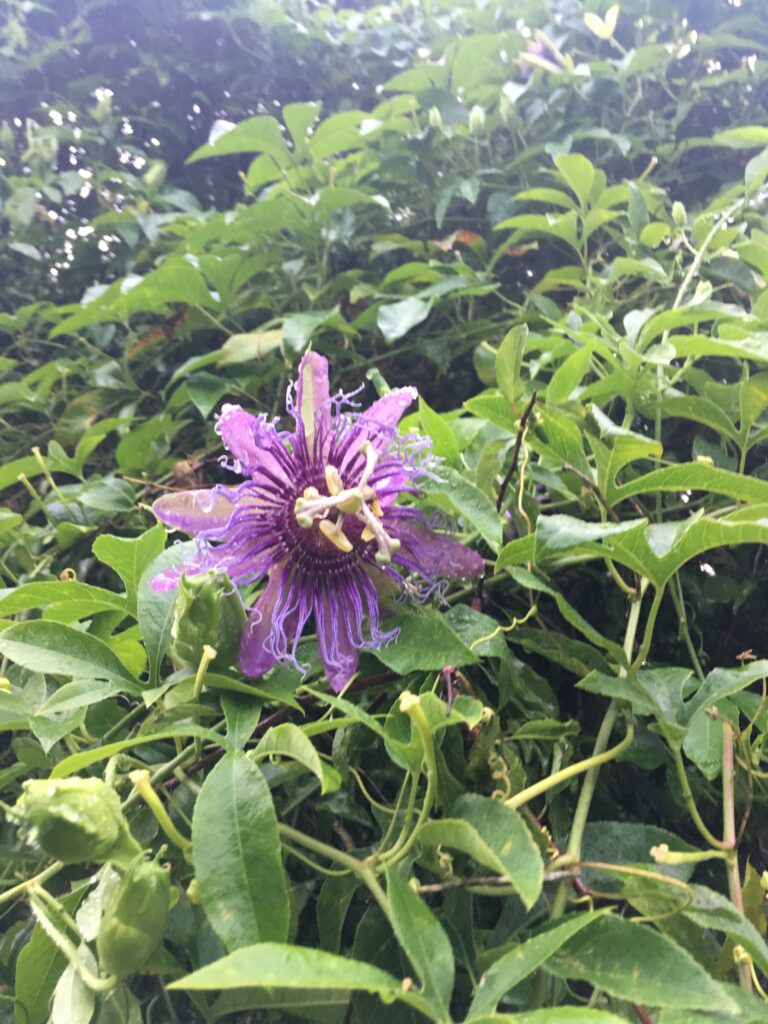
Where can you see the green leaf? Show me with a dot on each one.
(287, 740)
(568, 376)
(9, 471)
(56, 649)
(578, 173)
(87, 599)
(444, 443)
(73, 1001)
(454, 489)
(155, 610)
(570, 614)
(521, 960)
(279, 966)
(710, 909)
(38, 968)
(509, 361)
(496, 837)
(76, 762)
(628, 843)
(236, 855)
(424, 941)
(331, 909)
(746, 136)
(242, 714)
(634, 962)
(722, 682)
(695, 476)
(656, 551)
(78, 694)
(130, 558)
(554, 1015)
(396, 319)
(299, 328)
(255, 135)
(298, 118)
(245, 348)
(425, 643)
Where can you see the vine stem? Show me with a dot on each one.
(573, 850)
(729, 836)
(363, 872)
(22, 887)
(411, 706)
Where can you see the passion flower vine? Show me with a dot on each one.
(318, 514)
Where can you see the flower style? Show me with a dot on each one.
(317, 513)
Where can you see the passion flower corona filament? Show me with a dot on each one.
(318, 514)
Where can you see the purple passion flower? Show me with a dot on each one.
(318, 514)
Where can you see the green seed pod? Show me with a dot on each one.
(77, 820)
(133, 924)
(209, 612)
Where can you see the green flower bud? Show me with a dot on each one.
(435, 118)
(154, 176)
(77, 820)
(476, 120)
(208, 612)
(679, 216)
(134, 920)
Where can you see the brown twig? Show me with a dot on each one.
(515, 451)
(486, 880)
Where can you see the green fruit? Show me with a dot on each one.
(208, 611)
(76, 819)
(134, 920)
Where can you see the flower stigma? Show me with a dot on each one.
(360, 501)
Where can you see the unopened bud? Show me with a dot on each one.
(435, 118)
(476, 120)
(76, 820)
(679, 216)
(208, 612)
(154, 176)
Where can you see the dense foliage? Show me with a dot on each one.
(545, 801)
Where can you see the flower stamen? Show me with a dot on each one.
(335, 534)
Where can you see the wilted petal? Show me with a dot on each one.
(206, 512)
(433, 555)
(313, 405)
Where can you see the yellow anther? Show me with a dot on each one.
(368, 534)
(333, 481)
(376, 508)
(334, 533)
(311, 493)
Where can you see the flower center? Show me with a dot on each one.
(360, 502)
